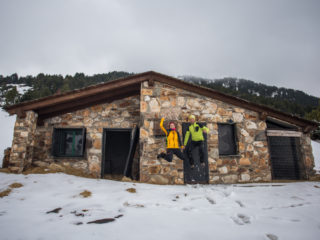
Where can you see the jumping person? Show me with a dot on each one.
(197, 139)
(173, 142)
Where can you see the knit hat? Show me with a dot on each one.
(192, 116)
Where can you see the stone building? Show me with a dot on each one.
(113, 129)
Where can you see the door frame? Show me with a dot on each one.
(295, 145)
(186, 165)
(281, 129)
(104, 134)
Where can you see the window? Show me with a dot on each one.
(68, 142)
(227, 139)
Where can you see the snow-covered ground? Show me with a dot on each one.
(316, 154)
(6, 126)
(247, 211)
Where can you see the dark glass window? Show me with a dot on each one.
(227, 139)
(68, 142)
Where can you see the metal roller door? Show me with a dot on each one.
(284, 157)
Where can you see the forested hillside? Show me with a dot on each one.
(283, 99)
(45, 85)
(15, 89)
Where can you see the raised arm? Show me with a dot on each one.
(162, 128)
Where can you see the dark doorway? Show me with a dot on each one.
(199, 174)
(284, 150)
(116, 148)
(284, 157)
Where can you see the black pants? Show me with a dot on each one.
(193, 153)
(170, 152)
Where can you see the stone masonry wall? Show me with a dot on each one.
(161, 100)
(122, 113)
(32, 144)
(307, 163)
(23, 142)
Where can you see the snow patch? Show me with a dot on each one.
(21, 88)
(7, 125)
(316, 155)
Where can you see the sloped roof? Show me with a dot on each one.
(129, 86)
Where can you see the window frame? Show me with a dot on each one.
(234, 137)
(55, 143)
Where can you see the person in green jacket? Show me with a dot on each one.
(197, 139)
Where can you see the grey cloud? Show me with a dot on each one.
(274, 42)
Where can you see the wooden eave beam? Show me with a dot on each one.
(21, 113)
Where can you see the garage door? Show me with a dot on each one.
(284, 157)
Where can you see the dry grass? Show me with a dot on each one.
(38, 170)
(16, 185)
(116, 177)
(126, 204)
(67, 170)
(5, 193)
(315, 178)
(4, 170)
(131, 190)
(85, 194)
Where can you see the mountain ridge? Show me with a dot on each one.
(15, 89)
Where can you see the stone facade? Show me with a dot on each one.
(32, 144)
(6, 158)
(23, 142)
(307, 164)
(122, 113)
(251, 164)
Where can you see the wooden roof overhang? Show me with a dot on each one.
(129, 86)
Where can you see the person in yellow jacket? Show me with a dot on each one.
(173, 142)
(196, 131)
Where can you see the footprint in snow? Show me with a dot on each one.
(295, 220)
(227, 194)
(241, 219)
(296, 198)
(240, 203)
(289, 206)
(210, 200)
(187, 208)
(136, 205)
(297, 205)
(271, 236)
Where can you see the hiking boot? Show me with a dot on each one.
(161, 155)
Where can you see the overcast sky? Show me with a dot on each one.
(276, 42)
